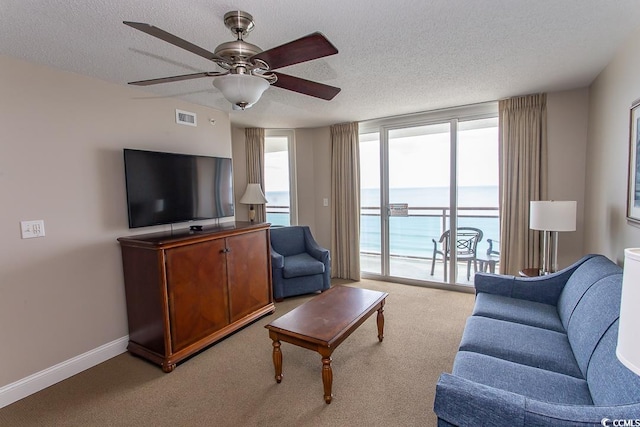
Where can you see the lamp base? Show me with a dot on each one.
(252, 214)
(550, 253)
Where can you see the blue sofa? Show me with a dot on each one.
(298, 264)
(541, 352)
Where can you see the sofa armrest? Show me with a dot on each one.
(498, 284)
(277, 260)
(543, 289)
(314, 249)
(277, 267)
(465, 403)
(461, 402)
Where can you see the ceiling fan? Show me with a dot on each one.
(247, 69)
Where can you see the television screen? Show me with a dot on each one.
(164, 188)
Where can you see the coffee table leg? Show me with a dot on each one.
(380, 320)
(327, 378)
(277, 360)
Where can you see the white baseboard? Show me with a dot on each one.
(47, 377)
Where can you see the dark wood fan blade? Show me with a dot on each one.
(176, 78)
(310, 47)
(306, 87)
(174, 40)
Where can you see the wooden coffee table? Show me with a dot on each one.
(322, 323)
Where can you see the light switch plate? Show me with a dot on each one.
(31, 229)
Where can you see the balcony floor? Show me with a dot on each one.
(414, 268)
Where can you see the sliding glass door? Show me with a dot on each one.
(424, 188)
(370, 204)
(418, 195)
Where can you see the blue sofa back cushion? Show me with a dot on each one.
(518, 310)
(288, 241)
(592, 317)
(610, 382)
(580, 281)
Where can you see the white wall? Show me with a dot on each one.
(61, 144)
(611, 96)
(567, 122)
(314, 181)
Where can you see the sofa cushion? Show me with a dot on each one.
(518, 310)
(592, 317)
(301, 265)
(523, 344)
(582, 279)
(525, 380)
(610, 382)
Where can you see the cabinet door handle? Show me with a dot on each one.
(225, 250)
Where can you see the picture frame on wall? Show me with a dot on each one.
(633, 186)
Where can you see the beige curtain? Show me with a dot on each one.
(523, 176)
(345, 201)
(254, 143)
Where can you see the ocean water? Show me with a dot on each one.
(480, 196)
(412, 235)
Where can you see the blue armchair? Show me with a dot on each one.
(298, 264)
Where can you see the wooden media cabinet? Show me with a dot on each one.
(188, 289)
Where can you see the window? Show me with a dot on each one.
(279, 179)
(420, 176)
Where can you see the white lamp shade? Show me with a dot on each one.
(241, 89)
(552, 215)
(253, 195)
(628, 349)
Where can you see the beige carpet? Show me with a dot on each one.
(232, 383)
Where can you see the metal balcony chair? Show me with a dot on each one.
(488, 262)
(466, 244)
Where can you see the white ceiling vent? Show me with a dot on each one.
(186, 118)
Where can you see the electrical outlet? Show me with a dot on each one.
(325, 202)
(31, 229)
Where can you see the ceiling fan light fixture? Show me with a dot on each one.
(235, 107)
(241, 90)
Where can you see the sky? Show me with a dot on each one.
(423, 161)
(414, 161)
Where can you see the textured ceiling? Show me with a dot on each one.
(395, 58)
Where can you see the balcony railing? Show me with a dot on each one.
(278, 215)
(420, 225)
(411, 237)
(410, 240)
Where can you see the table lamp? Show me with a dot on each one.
(550, 217)
(253, 195)
(628, 349)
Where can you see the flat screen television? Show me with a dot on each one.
(166, 188)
